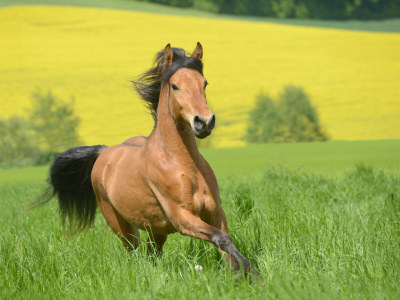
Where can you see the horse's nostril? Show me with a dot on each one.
(199, 123)
(212, 123)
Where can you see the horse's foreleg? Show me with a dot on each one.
(188, 224)
(222, 224)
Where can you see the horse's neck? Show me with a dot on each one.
(172, 137)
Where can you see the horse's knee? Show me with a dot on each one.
(223, 241)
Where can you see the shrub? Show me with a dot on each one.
(291, 118)
(51, 127)
(264, 126)
(17, 142)
(54, 123)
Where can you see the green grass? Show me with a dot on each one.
(332, 158)
(26, 174)
(311, 237)
(326, 158)
(390, 25)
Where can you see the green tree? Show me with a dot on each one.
(17, 142)
(299, 119)
(291, 118)
(265, 121)
(54, 123)
(51, 127)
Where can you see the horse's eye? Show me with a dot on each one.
(174, 87)
(205, 84)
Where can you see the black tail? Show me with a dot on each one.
(70, 181)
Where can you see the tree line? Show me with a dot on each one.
(306, 9)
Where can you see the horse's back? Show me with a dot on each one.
(108, 164)
(136, 141)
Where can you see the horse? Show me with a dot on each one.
(161, 183)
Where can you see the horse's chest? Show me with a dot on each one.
(205, 202)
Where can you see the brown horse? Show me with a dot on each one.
(160, 183)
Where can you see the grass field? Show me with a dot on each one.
(311, 237)
(327, 229)
(332, 159)
(92, 53)
(318, 220)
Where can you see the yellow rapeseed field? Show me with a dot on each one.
(91, 54)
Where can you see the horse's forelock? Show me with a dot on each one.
(186, 62)
(148, 85)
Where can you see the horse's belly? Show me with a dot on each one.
(143, 212)
(129, 195)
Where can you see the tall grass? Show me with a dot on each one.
(311, 237)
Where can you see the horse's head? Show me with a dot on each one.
(187, 95)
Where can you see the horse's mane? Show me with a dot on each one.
(148, 85)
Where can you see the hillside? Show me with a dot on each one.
(91, 54)
(387, 25)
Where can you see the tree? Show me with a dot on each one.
(51, 127)
(54, 123)
(16, 141)
(291, 118)
(265, 121)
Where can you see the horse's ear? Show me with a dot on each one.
(168, 55)
(198, 52)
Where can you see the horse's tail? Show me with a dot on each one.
(70, 180)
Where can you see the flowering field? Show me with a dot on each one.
(91, 54)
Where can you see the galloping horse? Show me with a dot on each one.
(160, 183)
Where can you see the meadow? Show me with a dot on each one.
(92, 53)
(332, 159)
(311, 233)
(318, 220)
(310, 237)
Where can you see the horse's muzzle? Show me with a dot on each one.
(202, 128)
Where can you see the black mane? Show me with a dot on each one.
(148, 85)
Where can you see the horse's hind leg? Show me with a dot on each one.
(155, 243)
(128, 234)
